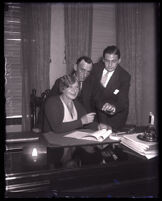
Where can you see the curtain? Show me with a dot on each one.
(129, 41)
(35, 54)
(78, 32)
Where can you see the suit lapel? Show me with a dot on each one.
(113, 80)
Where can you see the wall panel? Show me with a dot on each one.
(104, 31)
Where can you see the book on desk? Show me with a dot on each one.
(99, 135)
(77, 138)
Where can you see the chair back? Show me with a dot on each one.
(37, 110)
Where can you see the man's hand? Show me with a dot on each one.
(100, 127)
(104, 126)
(107, 107)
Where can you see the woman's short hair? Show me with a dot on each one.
(66, 81)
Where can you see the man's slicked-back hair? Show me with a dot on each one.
(111, 50)
(85, 58)
(66, 81)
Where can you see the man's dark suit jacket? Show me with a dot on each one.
(96, 95)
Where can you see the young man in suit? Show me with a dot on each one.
(107, 90)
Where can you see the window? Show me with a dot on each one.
(12, 53)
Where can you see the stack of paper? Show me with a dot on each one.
(147, 149)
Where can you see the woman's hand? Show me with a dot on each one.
(88, 118)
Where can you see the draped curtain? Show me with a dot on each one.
(35, 54)
(129, 41)
(78, 32)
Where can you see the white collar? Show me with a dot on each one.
(105, 71)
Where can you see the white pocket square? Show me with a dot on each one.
(116, 91)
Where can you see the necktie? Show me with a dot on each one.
(104, 78)
(80, 88)
(80, 85)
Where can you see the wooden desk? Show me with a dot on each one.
(131, 176)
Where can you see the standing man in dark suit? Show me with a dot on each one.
(107, 91)
(81, 70)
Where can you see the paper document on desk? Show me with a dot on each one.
(147, 149)
(99, 135)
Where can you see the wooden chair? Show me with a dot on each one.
(37, 110)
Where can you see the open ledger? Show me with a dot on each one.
(99, 135)
(147, 149)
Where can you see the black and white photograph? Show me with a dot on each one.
(81, 99)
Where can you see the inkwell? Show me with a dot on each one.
(149, 134)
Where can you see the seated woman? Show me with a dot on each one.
(63, 113)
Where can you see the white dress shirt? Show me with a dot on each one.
(108, 76)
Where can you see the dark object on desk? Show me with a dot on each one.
(149, 134)
(113, 153)
(126, 129)
(147, 137)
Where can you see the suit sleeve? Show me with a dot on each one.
(123, 98)
(55, 89)
(54, 113)
(81, 111)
